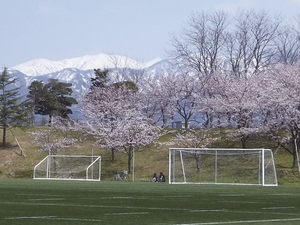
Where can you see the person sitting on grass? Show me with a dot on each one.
(162, 177)
(154, 178)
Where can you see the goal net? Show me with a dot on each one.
(222, 166)
(62, 167)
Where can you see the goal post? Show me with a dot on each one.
(69, 167)
(222, 166)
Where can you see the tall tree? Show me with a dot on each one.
(158, 96)
(281, 99)
(234, 101)
(250, 44)
(116, 120)
(201, 44)
(13, 110)
(288, 45)
(36, 96)
(53, 98)
(185, 104)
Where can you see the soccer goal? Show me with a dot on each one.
(63, 167)
(222, 166)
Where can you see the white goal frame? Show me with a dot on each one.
(222, 166)
(69, 167)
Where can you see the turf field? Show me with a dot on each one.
(30, 202)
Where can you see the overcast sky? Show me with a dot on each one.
(140, 29)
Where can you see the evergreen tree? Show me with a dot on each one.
(13, 111)
(51, 99)
(35, 96)
(101, 78)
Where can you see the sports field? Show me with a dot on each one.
(30, 202)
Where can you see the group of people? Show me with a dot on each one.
(160, 178)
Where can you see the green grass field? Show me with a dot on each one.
(27, 201)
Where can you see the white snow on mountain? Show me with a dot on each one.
(38, 67)
(79, 71)
(152, 62)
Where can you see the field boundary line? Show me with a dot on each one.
(51, 218)
(131, 213)
(279, 207)
(239, 222)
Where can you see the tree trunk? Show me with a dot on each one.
(50, 120)
(4, 136)
(295, 163)
(295, 134)
(243, 140)
(129, 163)
(113, 154)
(198, 163)
(296, 157)
(164, 118)
(186, 123)
(129, 159)
(208, 121)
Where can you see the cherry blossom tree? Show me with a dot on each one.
(235, 102)
(159, 96)
(185, 105)
(243, 90)
(115, 119)
(54, 138)
(281, 99)
(259, 103)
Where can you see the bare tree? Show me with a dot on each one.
(200, 45)
(185, 104)
(288, 45)
(239, 46)
(251, 43)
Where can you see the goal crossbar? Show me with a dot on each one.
(71, 167)
(222, 166)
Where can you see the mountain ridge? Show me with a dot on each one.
(79, 71)
(37, 67)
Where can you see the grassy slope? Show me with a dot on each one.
(154, 159)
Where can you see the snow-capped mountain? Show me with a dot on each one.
(38, 67)
(80, 70)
